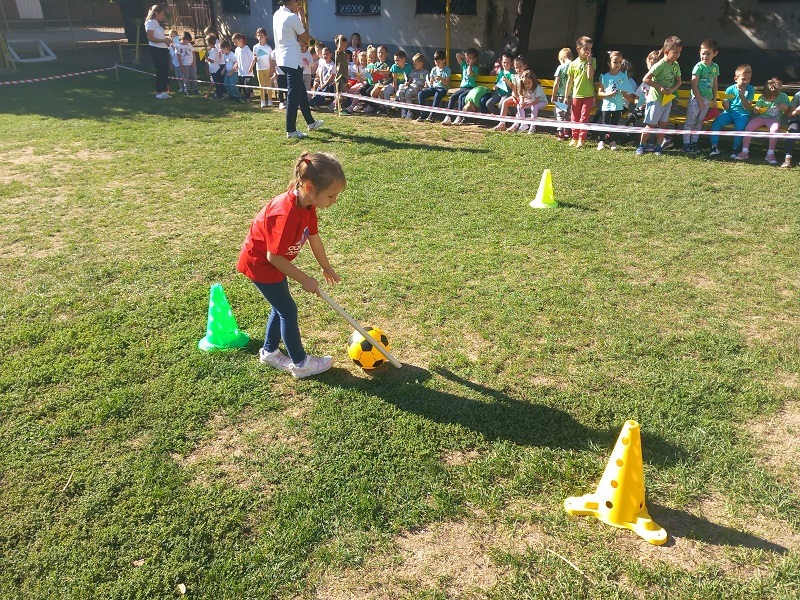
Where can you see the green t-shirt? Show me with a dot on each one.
(769, 108)
(706, 74)
(468, 80)
(665, 75)
(561, 75)
(582, 86)
(503, 88)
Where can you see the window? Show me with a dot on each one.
(437, 7)
(358, 7)
(241, 7)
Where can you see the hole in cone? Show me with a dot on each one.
(625, 441)
(614, 484)
(620, 462)
(609, 504)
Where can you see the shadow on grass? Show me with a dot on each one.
(395, 145)
(496, 415)
(681, 524)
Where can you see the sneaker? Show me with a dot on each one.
(296, 134)
(332, 106)
(601, 145)
(358, 107)
(714, 151)
(500, 127)
(430, 119)
(770, 158)
(531, 129)
(579, 144)
(215, 98)
(446, 120)
(667, 144)
(312, 365)
(613, 145)
(263, 104)
(787, 162)
(658, 150)
(409, 116)
(282, 105)
(403, 112)
(270, 104)
(459, 121)
(162, 96)
(649, 147)
(743, 155)
(640, 150)
(572, 142)
(369, 109)
(315, 125)
(276, 359)
(514, 128)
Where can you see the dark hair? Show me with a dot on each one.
(349, 54)
(261, 30)
(339, 38)
(211, 40)
(186, 36)
(583, 41)
(509, 56)
(400, 54)
(224, 45)
(471, 52)
(154, 10)
(319, 168)
(671, 43)
(439, 55)
(710, 43)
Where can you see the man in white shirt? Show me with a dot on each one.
(288, 31)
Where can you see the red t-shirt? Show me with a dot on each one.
(282, 227)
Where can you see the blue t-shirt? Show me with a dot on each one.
(736, 101)
(402, 73)
(618, 82)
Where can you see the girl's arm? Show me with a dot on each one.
(319, 253)
(285, 266)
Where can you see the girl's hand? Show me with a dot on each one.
(330, 275)
(311, 286)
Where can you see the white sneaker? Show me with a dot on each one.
(276, 359)
(315, 125)
(281, 106)
(601, 145)
(402, 113)
(263, 104)
(270, 104)
(162, 95)
(447, 121)
(312, 365)
(770, 158)
(613, 145)
(409, 115)
(458, 121)
(296, 134)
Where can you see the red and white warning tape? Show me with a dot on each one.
(52, 77)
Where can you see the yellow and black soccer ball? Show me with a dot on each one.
(363, 352)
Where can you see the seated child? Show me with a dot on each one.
(469, 74)
(736, 108)
(324, 83)
(400, 72)
(409, 91)
(528, 97)
(472, 102)
(769, 109)
(437, 84)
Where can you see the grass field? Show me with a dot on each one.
(662, 290)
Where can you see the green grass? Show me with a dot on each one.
(662, 290)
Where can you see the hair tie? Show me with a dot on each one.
(307, 161)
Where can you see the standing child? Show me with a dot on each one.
(664, 78)
(437, 84)
(468, 61)
(276, 237)
(244, 65)
(612, 91)
(188, 64)
(231, 76)
(176, 59)
(409, 91)
(561, 76)
(705, 77)
(216, 67)
(794, 127)
(308, 65)
(769, 109)
(342, 72)
(262, 61)
(580, 87)
(736, 108)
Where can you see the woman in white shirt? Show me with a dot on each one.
(159, 48)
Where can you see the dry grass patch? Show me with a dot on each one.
(777, 437)
(452, 558)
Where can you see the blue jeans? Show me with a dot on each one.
(282, 323)
(437, 93)
(739, 122)
(230, 85)
(296, 97)
(457, 98)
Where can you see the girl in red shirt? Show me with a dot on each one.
(276, 237)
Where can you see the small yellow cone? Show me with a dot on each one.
(619, 498)
(544, 195)
(667, 98)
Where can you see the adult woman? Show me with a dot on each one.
(159, 48)
(288, 32)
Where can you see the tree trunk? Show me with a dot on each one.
(522, 26)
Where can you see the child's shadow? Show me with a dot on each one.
(492, 413)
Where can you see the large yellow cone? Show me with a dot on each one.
(544, 196)
(619, 498)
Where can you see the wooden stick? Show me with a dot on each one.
(375, 343)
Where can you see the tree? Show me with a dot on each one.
(523, 22)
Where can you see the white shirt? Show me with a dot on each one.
(306, 60)
(274, 62)
(158, 31)
(186, 52)
(215, 60)
(230, 60)
(263, 53)
(286, 26)
(244, 56)
(176, 59)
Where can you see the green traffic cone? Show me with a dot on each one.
(222, 332)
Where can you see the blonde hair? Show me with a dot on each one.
(320, 169)
(564, 54)
(652, 58)
(339, 38)
(772, 88)
(154, 10)
(741, 69)
(527, 74)
(418, 56)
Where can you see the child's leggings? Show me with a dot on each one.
(694, 120)
(230, 85)
(532, 112)
(456, 101)
(282, 323)
(609, 117)
(774, 126)
(739, 122)
(581, 111)
(264, 78)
